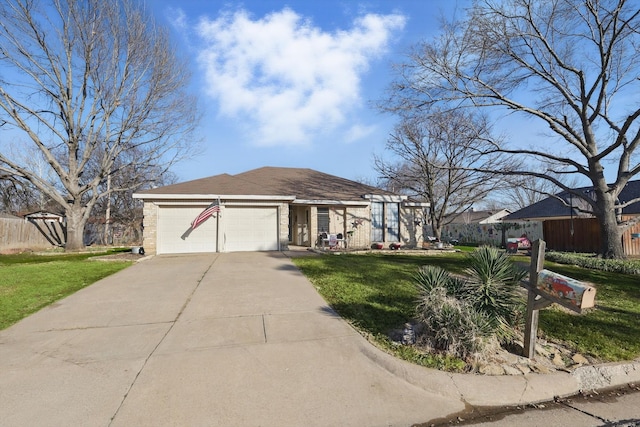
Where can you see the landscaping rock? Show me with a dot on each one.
(510, 370)
(557, 360)
(579, 359)
(491, 369)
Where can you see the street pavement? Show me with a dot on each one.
(619, 407)
(236, 339)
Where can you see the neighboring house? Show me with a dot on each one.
(488, 227)
(477, 217)
(570, 227)
(270, 208)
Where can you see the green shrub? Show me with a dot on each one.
(493, 288)
(595, 263)
(451, 324)
(459, 315)
(430, 276)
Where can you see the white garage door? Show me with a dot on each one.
(250, 228)
(175, 234)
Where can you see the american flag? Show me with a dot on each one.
(205, 214)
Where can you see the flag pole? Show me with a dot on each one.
(218, 248)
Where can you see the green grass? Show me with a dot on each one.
(611, 331)
(30, 282)
(376, 294)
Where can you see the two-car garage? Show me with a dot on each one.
(235, 228)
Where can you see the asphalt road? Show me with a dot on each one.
(613, 408)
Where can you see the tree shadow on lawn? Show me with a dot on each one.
(373, 316)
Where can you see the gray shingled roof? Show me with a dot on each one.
(553, 208)
(305, 184)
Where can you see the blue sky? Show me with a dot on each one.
(292, 83)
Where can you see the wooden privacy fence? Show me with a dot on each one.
(16, 233)
(586, 236)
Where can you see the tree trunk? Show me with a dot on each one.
(611, 234)
(75, 228)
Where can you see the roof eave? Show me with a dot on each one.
(330, 202)
(148, 196)
(385, 198)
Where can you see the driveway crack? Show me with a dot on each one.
(264, 329)
(164, 336)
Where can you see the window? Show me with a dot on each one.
(392, 219)
(377, 222)
(385, 222)
(323, 220)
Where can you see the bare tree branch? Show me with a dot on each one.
(94, 86)
(570, 64)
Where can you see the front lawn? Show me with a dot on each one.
(376, 293)
(30, 282)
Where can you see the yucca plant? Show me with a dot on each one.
(493, 288)
(451, 324)
(429, 277)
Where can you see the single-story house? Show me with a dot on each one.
(473, 216)
(270, 208)
(568, 226)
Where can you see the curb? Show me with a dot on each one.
(609, 375)
(506, 390)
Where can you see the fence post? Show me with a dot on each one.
(531, 320)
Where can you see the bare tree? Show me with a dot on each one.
(15, 198)
(526, 190)
(93, 85)
(119, 214)
(570, 64)
(439, 154)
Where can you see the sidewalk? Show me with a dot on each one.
(237, 339)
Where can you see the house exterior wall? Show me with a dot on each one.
(412, 221)
(358, 227)
(283, 226)
(150, 227)
(354, 222)
(150, 222)
(491, 234)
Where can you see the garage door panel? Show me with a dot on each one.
(250, 229)
(175, 234)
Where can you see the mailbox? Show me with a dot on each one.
(566, 291)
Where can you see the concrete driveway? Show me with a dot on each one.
(237, 339)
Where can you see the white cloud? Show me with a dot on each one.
(286, 78)
(176, 18)
(358, 132)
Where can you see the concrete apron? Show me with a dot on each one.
(209, 339)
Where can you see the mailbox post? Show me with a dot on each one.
(545, 288)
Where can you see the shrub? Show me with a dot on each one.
(594, 263)
(429, 277)
(451, 324)
(493, 288)
(459, 315)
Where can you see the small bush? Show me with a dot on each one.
(429, 277)
(459, 315)
(493, 288)
(450, 324)
(594, 263)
